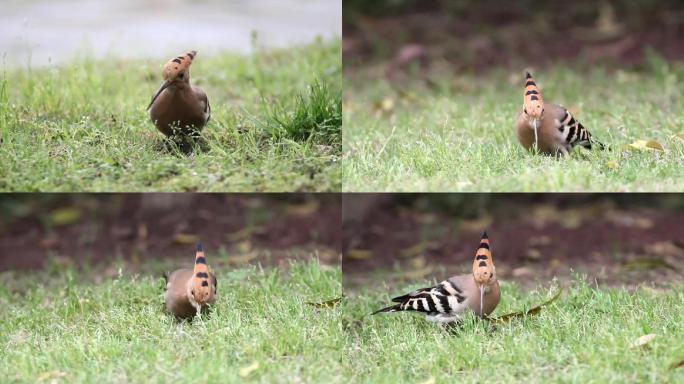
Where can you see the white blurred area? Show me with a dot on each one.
(44, 32)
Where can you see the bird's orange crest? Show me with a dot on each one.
(178, 65)
(201, 283)
(533, 103)
(483, 265)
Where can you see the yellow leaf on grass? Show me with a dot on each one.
(654, 145)
(430, 380)
(51, 375)
(186, 238)
(643, 145)
(387, 104)
(643, 340)
(246, 371)
(677, 364)
(679, 136)
(327, 304)
(530, 312)
(612, 164)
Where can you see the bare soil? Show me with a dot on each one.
(98, 229)
(531, 241)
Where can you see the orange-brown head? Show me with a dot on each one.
(178, 68)
(484, 271)
(201, 285)
(533, 103)
(176, 71)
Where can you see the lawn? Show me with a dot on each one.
(586, 336)
(61, 325)
(276, 125)
(454, 132)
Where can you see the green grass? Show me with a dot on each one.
(65, 327)
(584, 337)
(458, 135)
(275, 125)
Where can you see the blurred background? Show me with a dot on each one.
(616, 239)
(159, 231)
(40, 32)
(469, 35)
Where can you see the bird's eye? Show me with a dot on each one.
(192, 292)
(525, 111)
(181, 75)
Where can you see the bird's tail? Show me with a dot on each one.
(598, 144)
(590, 142)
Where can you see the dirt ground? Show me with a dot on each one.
(486, 35)
(531, 242)
(35, 230)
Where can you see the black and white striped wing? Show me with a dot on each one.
(573, 133)
(444, 298)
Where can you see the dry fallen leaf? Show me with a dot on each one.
(522, 271)
(643, 340)
(51, 375)
(245, 371)
(533, 254)
(418, 273)
(477, 225)
(539, 240)
(531, 312)
(241, 234)
(645, 263)
(612, 164)
(303, 210)
(142, 231)
(244, 258)
(186, 238)
(430, 380)
(415, 250)
(327, 304)
(64, 216)
(643, 145)
(665, 248)
(358, 254)
(244, 246)
(677, 364)
(387, 104)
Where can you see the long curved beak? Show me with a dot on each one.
(482, 289)
(163, 87)
(535, 125)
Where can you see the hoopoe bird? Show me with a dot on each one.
(449, 300)
(190, 291)
(179, 107)
(549, 127)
